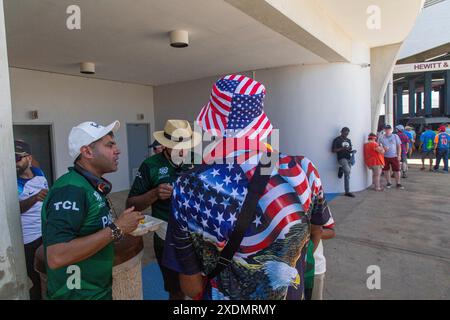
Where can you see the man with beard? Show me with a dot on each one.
(32, 187)
(77, 226)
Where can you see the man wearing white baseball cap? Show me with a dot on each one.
(77, 226)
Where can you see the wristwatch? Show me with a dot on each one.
(116, 234)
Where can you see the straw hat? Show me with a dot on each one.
(177, 134)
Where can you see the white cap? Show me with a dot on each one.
(86, 133)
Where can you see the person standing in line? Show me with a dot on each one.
(427, 147)
(441, 148)
(409, 131)
(392, 156)
(405, 149)
(374, 159)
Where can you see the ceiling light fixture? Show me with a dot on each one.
(179, 38)
(87, 68)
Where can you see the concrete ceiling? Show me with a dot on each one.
(397, 19)
(128, 40)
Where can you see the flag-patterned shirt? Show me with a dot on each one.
(206, 204)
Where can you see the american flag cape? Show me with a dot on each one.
(206, 206)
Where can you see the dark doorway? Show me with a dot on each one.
(39, 137)
(138, 138)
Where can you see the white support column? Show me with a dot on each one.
(13, 275)
(390, 103)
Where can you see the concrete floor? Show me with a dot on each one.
(404, 232)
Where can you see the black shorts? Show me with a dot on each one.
(428, 154)
(170, 277)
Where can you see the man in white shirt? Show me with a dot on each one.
(32, 187)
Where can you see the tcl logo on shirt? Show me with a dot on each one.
(66, 205)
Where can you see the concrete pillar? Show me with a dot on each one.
(390, 103)
(427, 93)
(399, 111)
(419, 103)
(447, 93)
(13, 276)
(412, 98)
(382, 61)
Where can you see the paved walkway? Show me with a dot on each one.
(404, 232)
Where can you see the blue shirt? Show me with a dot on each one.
(410, 135)
(427, 138)
(442, 141)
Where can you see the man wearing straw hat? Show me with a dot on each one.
(152, 186)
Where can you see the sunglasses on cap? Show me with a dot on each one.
(20, 156)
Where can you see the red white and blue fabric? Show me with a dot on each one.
(235, 109)
(206, 205)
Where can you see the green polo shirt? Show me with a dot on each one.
(74, 209)
(154, 171)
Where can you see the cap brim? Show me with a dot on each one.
(113, 127)
(195, 140)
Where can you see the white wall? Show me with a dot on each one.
(66, 101)
(182, 100)
(13, 274)
(309, 104)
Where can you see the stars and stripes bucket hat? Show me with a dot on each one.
(235, 109)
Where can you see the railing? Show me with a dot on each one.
(429, 3)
